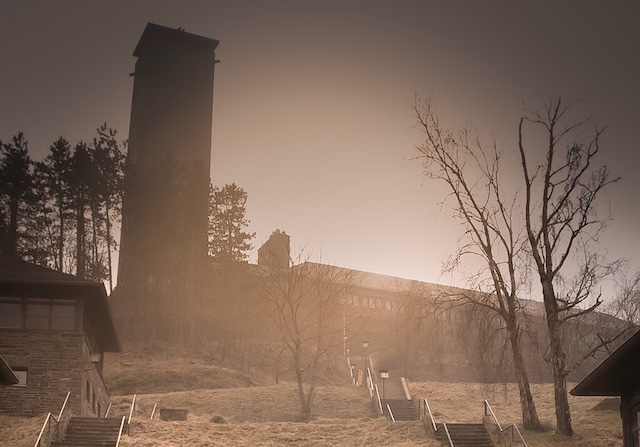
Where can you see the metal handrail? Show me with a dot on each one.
(390, 413)
(433, 421)
(512, 426)
(370, 383)
(64, 404)
(446, 430)
(50, 417)
(133, 405)
(488, 407)
(379, 401)
(120, 432)
(106, 414)
(45, 425)
(153, 412)
(502, 430)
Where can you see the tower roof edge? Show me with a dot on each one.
(154, 34)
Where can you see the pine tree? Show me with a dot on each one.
(228, 239)
(80, 174)
(16, 187)
(53, 176)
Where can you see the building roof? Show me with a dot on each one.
(21, 278)
(395, 285)
(158, 36)
(616, 375)
(15, 269)
(7, 376)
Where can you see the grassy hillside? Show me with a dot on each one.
(232, 408)
(265, 416)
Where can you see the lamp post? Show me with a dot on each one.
(384, 374)
(365, 345)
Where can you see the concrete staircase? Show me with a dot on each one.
(402, 408)
(465, 435)
(90, 432)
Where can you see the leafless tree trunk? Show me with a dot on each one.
(562, 224)
(471, 173)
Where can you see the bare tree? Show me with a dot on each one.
(306, 304)
(471, 173)
(562, 222)
(626, 305)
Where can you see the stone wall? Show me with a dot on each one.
(56, 362)
(95, 396)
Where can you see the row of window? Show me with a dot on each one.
(370, 302)
(54, 314)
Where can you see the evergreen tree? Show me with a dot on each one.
(16, 187)
(79, 178)
(228, 239)
(53, 176)
(109, 160)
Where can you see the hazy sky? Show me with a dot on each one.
(313, 102)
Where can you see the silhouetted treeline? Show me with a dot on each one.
(61, 212)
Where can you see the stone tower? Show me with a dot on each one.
(164, 216)
(275, 254)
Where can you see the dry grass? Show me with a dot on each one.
(275, 403)
(231, 408)
(19, 431)
(320, 432)
(266, 415)
(164, 371)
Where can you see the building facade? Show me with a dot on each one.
(54, 332)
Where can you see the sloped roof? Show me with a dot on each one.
(21, 278)
(15, 269)
(616, 375)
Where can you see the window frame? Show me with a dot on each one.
(56, 321)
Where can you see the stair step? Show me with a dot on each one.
(402, 409)
(90, 432)
(465, 435)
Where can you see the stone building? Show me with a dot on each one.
(54, 332)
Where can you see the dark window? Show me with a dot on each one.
(38, 313)
(11, 313)
(63, 315)
(53, 314)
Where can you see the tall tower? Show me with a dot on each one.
(164, 217)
